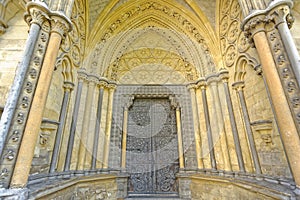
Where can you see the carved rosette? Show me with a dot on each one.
(233, 42)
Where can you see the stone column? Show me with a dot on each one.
(60, 25)
(196, 126)
(124, 138)
(86, 122)
(286, 124)
(97, 128)
(220, 133)
(202, 85)
(283, 20)
(13, 120)
(179, 136)
(282, 86)
(239, 88)
(37, 15)
(112, 88)
(224, 76)
(81, 77)
(68, 87)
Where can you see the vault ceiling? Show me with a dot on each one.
(97, 6)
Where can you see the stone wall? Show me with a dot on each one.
(12, 44)
(203, 187)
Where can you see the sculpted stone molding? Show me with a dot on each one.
(73, 44)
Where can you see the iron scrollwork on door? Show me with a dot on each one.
(152, 147)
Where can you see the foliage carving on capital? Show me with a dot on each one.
(60, 24)
(239, 85)
(254, 25)
(36, 13)
(281, 14)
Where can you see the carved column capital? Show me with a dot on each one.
(92, 79)
(202, 84)
(191, 86)
(60, 24)
(112, 86)
(254, 25)
(277, 12)
(258, 69)
(68, 86)
(213, 79)
(281, 14)
(102, 83)
(37, 13)
(224, 75)
(82, 75)
(238, 85)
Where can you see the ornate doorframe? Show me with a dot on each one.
(158, 180)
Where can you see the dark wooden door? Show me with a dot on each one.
(152, 147)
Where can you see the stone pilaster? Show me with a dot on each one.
(81, 76)
(211, 149)
(219, 133)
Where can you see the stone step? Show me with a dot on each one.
(151, 197)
